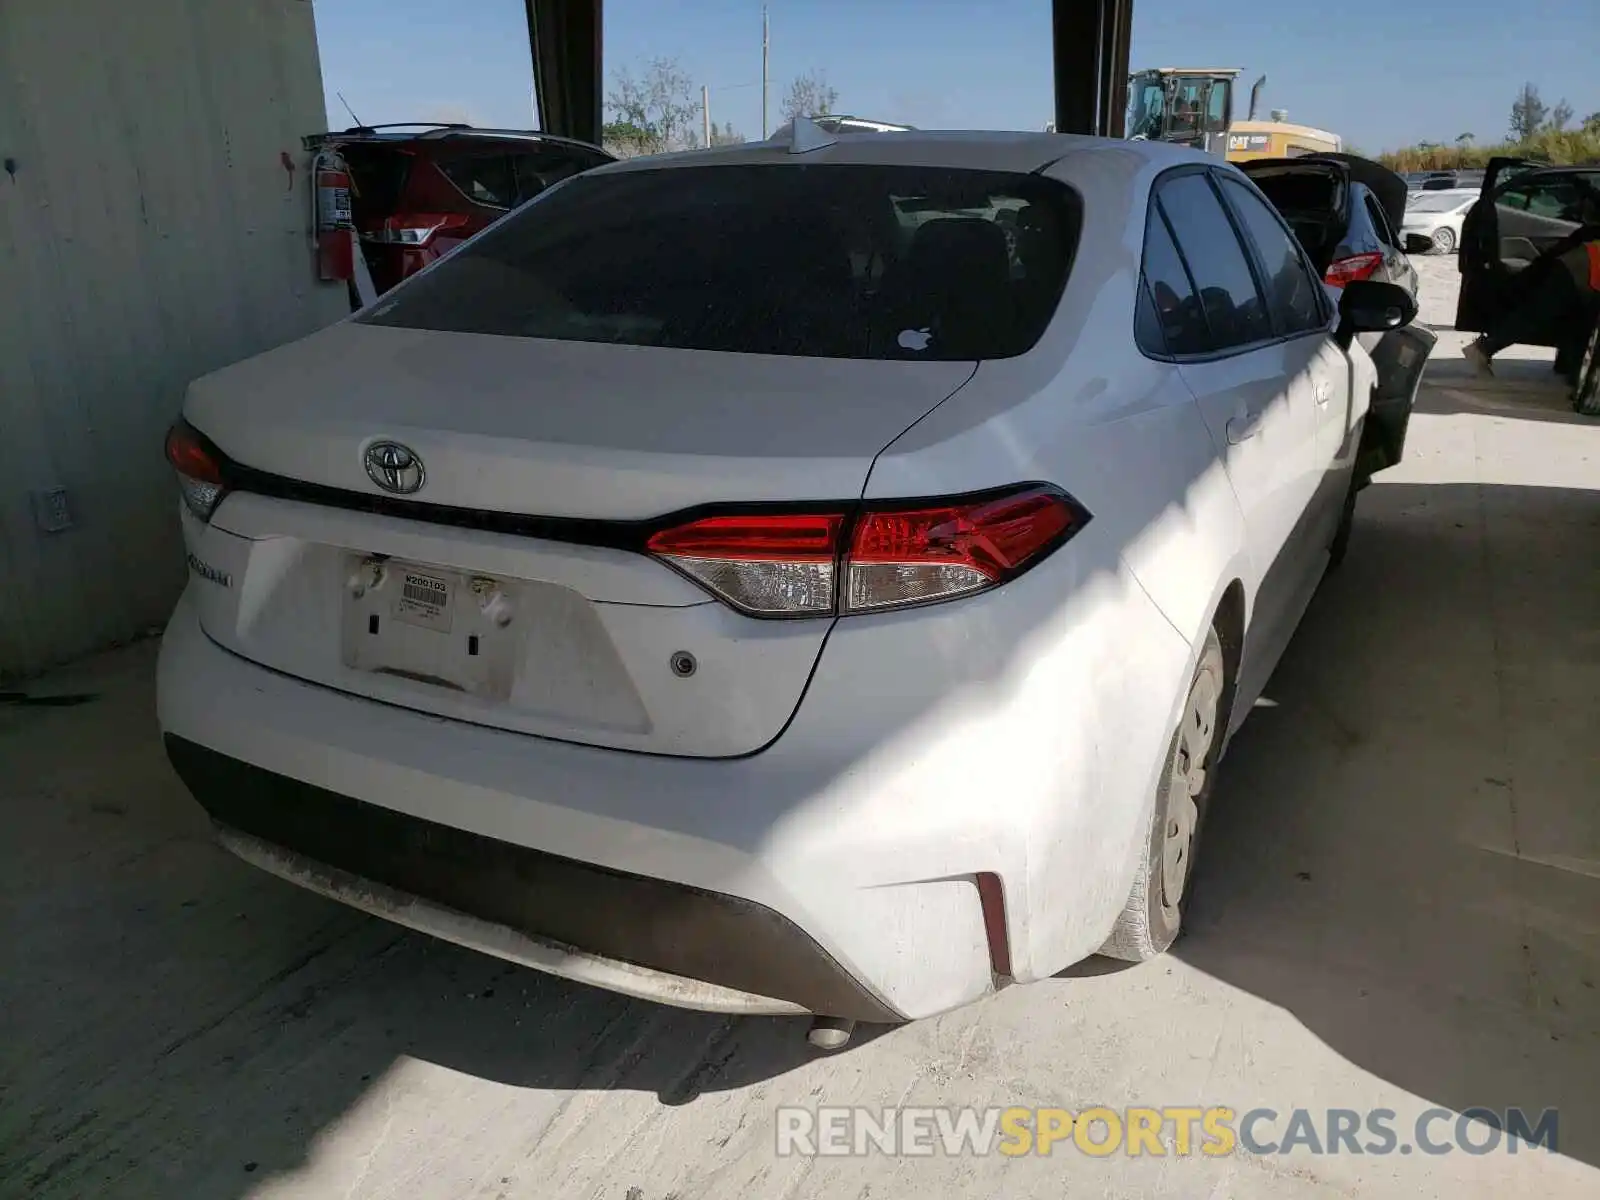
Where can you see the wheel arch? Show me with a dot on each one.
(1229, 621)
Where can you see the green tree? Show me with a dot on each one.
(809, 95)
(1560, 117)
(654, 111)
(1465, 139)
(727, 135)
(1528, 114)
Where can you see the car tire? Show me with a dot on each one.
(1586, 388)
(1444, 240)
(1340, 546)
(1153, 916)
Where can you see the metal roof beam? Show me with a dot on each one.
(564, 37)
(1090, 39)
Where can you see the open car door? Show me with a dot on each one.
(1487, 270)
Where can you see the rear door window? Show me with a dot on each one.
(1295, 296)
(1170, 319)
(835, 261)
(1380, 222)
(1235, 309)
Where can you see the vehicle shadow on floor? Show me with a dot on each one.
(1527, 389)
(180, 1024)
(1404, 849)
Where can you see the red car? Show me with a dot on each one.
(417, 191)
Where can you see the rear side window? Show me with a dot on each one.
(544, 166)
(483, 178)
(829, 261)
(1234, 308)
(1170, 319)
(1293, 294)
(1380, 221)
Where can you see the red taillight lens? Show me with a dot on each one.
(789, 564)
(771, 565)
(198, 467)
(916, 555)
(415, 229)
(1358, 266)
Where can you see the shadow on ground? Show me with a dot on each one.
(1528, 389)
(1404, 851)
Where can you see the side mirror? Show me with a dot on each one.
(1369, 306)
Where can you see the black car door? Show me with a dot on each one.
(1485, 278)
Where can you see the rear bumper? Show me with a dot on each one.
(1017, 734)
(646, 937)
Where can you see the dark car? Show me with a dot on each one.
(1345, 210)
(1528, 212)
(420, 190)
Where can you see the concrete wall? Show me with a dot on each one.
(149, 233)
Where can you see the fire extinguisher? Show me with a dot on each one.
(332, 224)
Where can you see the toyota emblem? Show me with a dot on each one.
(394, 468)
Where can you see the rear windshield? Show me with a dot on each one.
(379, 175)
(817, 261)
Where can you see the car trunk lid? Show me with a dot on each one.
(510, 589)
(1312, 194)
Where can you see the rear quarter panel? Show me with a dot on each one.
(1122, 434)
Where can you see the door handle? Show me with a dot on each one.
(1322, 391)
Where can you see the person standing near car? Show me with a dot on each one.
(1557, 290)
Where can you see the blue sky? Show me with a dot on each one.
(1382, 72)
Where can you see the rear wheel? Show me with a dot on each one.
(1586, 389)
(1444, 240)
(1154, 912)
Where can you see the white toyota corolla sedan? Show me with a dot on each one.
(815, 576)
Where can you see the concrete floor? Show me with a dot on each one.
(1399, 907)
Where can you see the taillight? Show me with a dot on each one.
(415, 229)
(912, 556)
(773, 565)
(198, 467)
(800, 564)
(1358, 266)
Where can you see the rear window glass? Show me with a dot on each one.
(829, 261)
(378, 174)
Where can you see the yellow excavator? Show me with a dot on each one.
(1193, 106)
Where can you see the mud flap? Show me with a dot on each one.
(1399, 356)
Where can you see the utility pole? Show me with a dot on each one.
(705, 112)
(763, 72)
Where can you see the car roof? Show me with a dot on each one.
(986, 150)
